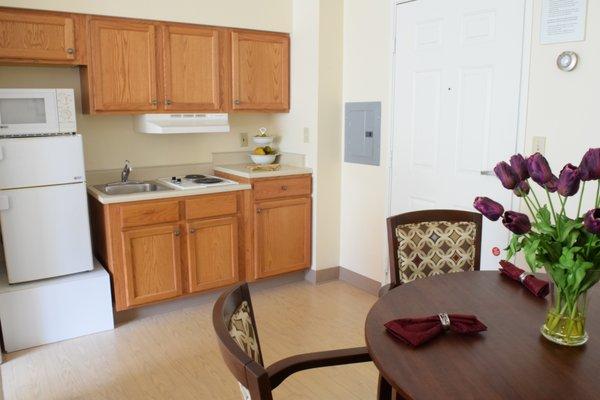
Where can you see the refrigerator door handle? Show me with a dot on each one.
(1, 154)
(3, 202)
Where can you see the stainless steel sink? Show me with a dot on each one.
(131, 187)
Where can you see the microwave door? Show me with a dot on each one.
(28, 111)
(41, 161)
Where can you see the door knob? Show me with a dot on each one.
(70, 50)
(192, 231)
(177, 232)
(154, 102)
(258, 210)
(168, 102)
(237, 102)
(284, 187)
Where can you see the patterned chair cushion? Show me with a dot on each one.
(242, 331)
(433, 248)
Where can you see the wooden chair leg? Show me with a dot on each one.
(384, 390)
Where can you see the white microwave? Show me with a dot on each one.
(34, 112)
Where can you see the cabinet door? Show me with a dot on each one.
(123, 76)
(36, 36)
(261, 71)
(152, 264)
(282, 236)
(212, 253)
(192, 64)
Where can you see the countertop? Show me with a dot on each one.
(241, 171)
(166, 194)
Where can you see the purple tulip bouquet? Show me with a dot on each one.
(568, 248)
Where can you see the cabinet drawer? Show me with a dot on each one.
(287, 187)
(149, 213)
(211, 206)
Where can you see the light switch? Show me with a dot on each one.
(539, 145)
(306, 135)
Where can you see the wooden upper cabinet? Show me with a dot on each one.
(36, 36)
(282, 232)
(192, 65)
(152, 264)
(261, 71)
(123, 58)
(212, 253)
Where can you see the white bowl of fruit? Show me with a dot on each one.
(263, 155)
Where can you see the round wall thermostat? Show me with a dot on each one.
(567, 61)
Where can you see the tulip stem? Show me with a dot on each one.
(551, 206)
(580, 199)
(529, 206)
(597, 203)
(536, 199)
(563, 201)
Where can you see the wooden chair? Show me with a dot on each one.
(435, 242)
(237, 335)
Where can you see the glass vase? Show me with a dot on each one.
(565, 321)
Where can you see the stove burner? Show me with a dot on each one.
(194, 176)
(208, 180)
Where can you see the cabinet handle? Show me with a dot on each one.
(258, 210)
(192, 231)
(177, 232)
(154, 102)
(70, 50)
(237, 102)
(168, 102)
(284, 187)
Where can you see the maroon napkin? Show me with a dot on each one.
(536, 286)
(416, 331)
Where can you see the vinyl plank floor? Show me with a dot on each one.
(175, 356)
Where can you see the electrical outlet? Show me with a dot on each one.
(539, 144)
(306, 135)
(244, 139)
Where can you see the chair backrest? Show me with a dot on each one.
(431, 242)
(237, 335)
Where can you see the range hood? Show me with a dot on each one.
(166, 124)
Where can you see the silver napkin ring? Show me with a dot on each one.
(523, 276)
(445, 320)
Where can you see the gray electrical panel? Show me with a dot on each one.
(362, 133)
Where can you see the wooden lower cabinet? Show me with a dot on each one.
(278, 225)
(282, 236)
(152, 263)
(157, 250)
(212, 247)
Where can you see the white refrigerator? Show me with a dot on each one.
(43, 207)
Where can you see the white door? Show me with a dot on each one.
(45, 231)
(457, 92)
(41, 161)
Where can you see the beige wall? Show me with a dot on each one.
(367, 77)
(109, 140)
(327, 207)
(316, 109)
(562, 107)
(273, 15)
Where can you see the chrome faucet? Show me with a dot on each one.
(126, 171)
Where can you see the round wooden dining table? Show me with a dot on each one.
(511, 360)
